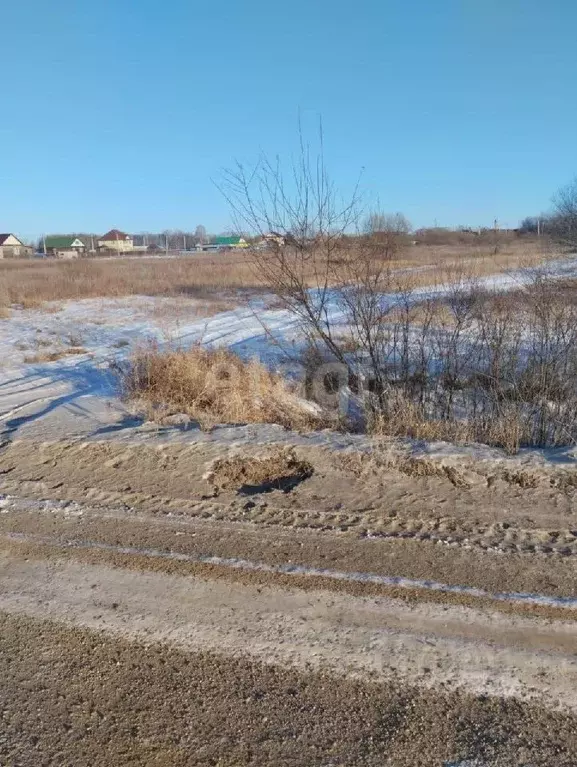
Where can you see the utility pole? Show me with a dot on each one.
(183, 241)
(166, 242)
(44, 243)
(496, 225)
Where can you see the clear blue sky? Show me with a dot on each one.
(118, 113)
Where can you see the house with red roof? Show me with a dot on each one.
(116, 241)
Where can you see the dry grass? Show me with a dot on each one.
(513, 254)
(54, 355)
(521, 477)
(30, 283)
(280, 469)
(172, 310)
(215, 386)
(390, 457)
(425, 265)
(406, 419)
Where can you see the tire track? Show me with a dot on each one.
(502, 538)
(292, 569)
(477, 651)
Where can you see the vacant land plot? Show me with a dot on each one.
(244, 594)
(34, 282)
(31, 283)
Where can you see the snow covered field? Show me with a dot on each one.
(77, 393)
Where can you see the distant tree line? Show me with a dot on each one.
(560, 223)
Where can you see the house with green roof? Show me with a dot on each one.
(230, 242)
(64, 246)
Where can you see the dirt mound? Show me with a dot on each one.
(280, 469)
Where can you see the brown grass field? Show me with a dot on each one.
(30, 283)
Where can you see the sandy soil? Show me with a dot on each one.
(366, 637)
(134, 558)
(74, 697)
(481, 508)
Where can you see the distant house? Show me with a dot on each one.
(12, 247)
(230, 242)
(116, 241)
(272, 238)
(64, 246)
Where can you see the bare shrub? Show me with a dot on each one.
(215, 386)
(457, 363)
(501, 370)
(562, 224)
(322, 274)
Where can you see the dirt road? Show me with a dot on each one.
(370, 615)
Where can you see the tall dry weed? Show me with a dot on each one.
(214, 386)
